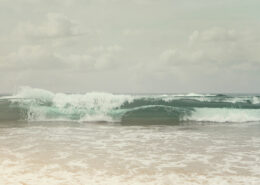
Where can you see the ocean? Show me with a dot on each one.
(103, 138)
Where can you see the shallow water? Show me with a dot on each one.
(66, 153)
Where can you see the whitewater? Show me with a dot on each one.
(41, 105)
(103, 138)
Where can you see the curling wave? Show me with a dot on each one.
(41, 105)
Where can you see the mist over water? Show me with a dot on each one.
(103, 138)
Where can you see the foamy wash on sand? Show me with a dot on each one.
(102, 138)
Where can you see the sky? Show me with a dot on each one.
(130, 46)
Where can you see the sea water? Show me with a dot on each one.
(102, 138)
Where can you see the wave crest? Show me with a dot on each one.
(41, 105)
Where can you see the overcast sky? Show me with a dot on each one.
(130, 45)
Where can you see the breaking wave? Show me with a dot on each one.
(41, 105)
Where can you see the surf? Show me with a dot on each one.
(32, 104)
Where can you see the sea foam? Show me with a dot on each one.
(34, 104)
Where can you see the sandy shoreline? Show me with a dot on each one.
(45, 153)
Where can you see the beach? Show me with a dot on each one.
(103, 138)
(102, 153)
(130, 92)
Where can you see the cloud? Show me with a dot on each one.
(149, 43)
(38, 57)
(132, 32)
(216, 47)
(209, 60)
(96, 59)
(37, 53)
(55, 26)
(32, 57)
(216, 34)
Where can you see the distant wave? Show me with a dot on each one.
(33, 104)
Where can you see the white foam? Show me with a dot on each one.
(44, 105)
(196, 94)
(93, 106)
(102, 154)
(34, 93)
(224, 115)
(256, 100)
(97, 118)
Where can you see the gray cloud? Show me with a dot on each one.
(130, 46)
(55, 25)
(217, 47)
(98, 58)
(32, 57)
